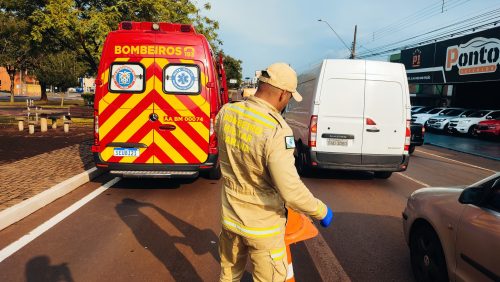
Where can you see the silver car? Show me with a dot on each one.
(454, 233)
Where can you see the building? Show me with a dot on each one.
(460, 72)
(24, 83)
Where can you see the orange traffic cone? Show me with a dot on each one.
(298, 228)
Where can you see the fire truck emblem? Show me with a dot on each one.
(183, 78)
(124, 78)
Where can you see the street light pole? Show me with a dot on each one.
(350, 51)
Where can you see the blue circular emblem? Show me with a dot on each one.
(183, 78)
(124, 78)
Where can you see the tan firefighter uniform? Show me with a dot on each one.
(259, 179)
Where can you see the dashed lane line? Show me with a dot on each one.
(26, 239)
(467, 164)
(326, 263)
(413, 179)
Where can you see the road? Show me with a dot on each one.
(166, 230)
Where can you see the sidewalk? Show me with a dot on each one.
(474, 146)
(23, 179)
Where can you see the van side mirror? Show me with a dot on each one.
(471, 195)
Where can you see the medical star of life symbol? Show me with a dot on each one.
(183, 78)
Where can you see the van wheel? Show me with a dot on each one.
(214, 173)
(411, 149)
(302, 168)
(383, 174)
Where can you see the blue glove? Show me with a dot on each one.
(325, 222)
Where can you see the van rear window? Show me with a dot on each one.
(127, 78)
(181, 79)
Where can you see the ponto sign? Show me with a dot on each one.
(479, 55)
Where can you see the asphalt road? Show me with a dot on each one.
(166, 230)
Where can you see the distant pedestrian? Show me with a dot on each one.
(260, 180)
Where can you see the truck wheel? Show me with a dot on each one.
(215, 173)
(383, 174)
(411, 149)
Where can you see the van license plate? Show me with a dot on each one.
(337, 142)
(126, 152)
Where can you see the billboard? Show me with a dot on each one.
(471, 58)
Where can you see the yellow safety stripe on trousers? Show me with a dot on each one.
(253, 117)
(320, 210)
(251, 231)
(278, 254)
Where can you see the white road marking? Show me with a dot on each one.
(467, 164)
(326, 263)
(26, 239)
(413, 179)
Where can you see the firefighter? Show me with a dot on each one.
(260, 180)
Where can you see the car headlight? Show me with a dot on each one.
(466, 121)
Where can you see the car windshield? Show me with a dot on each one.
(479, 114)
(423, 110)
(435, 111)
(452, 112)
(467, 113)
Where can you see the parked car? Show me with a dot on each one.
(469, 124)
(490, 127)
(421, 110)
(423, 117)
(414, 109)
(417, 136)
(441, 121)
(454, 233)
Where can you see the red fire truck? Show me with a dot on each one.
(158, 89)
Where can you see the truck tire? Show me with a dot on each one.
(411, 149)
(214, 173)
(302, 167)
(383, 174)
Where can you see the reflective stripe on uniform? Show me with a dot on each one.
(320, 210)
(251, 231)
(253, 115)
(278, 254)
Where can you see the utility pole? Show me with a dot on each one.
(442, 7)
(353, 49)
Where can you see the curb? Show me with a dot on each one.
(19, 211)
(462, 151)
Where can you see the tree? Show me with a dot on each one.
(233, 70)
(14, 45)
(82, 25)
(60, 69)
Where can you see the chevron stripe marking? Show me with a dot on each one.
(168, 149)
(181, 148)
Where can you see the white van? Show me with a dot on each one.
(355, 115)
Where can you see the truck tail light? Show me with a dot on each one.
(212, 143)
(407, 137)
(313, 131)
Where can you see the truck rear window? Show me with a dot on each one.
(127, 78)
(181, 79)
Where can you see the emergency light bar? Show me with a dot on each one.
(166, 27)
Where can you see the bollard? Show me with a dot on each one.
(298, 228)
(66, 127)
(54, 124)
(21, 125)
(31, 127)
(43, 124)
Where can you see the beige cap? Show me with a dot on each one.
(282, 76)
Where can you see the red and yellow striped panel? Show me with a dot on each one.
(125, 118)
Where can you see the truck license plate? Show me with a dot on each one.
(337, 142)
(126, 152)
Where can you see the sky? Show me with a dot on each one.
(261, 32)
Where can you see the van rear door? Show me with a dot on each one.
(182, 104)
(385, 122)
(340, 113)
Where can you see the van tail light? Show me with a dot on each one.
(370, 121)
(313, 131)
(212, 143)
(407, 137)
(96, 128)
(423, 130)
